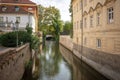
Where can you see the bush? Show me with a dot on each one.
(35, 42)
(10, 39)
(0, 38)
(29, 29)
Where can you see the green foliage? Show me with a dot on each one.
(10, 39)
(47, 16)
(35, 42)
(56, 26)
(0, 38)
(71, 12)
(67, 28)
(29, 29)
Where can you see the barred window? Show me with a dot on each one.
(110, 15)
(99, 43)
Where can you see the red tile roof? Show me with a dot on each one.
(17, 1)
(11, 10)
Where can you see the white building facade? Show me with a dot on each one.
(25, 12)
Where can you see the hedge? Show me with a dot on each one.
(10, 39)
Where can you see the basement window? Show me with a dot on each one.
(98, 43)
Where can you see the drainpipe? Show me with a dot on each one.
(82, 29)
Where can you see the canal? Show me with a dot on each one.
(58, 63)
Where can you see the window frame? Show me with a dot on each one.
(110, 15)
(99, 43)
(1, 19)
(98, 18)
(18, 19)
(17, 8)
(4, 8)
(91, 20)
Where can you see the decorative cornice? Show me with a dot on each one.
(108, 1)
(98, 5)
(91, 10)
(85, 13)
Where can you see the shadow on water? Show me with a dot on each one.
(54, 62)
(81, 71)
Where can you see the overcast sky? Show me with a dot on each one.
(63, 5)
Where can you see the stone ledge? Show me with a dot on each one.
(13, 62)
(110, 74)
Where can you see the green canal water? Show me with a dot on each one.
(55, 62)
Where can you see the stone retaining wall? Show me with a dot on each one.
(13, 61)
(67, 42)
(106, 63)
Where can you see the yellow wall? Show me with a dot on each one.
(109, 33)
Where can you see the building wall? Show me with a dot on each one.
(108, 33)
(25, 9)
(85, 39)
(24, 20)
(13, 62)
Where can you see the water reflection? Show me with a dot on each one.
(81, 71)
(53, 66)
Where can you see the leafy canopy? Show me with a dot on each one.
(47, 16)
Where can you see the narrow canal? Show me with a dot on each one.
(58, 63)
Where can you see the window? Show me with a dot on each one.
(98, 43)
(1, 19)
(6, 19)
(110, 15)
(18, 19)
(30, 9)
(98, 18)
(4, 8)
(91, 20)
(17, 8)
(85, 41)
(85, 22)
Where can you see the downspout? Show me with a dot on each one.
(82, 29)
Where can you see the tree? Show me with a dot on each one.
(71, 11)
(67, 28)
(48, 18)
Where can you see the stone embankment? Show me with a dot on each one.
(107, 64)
(67, 42)
(13, 61)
